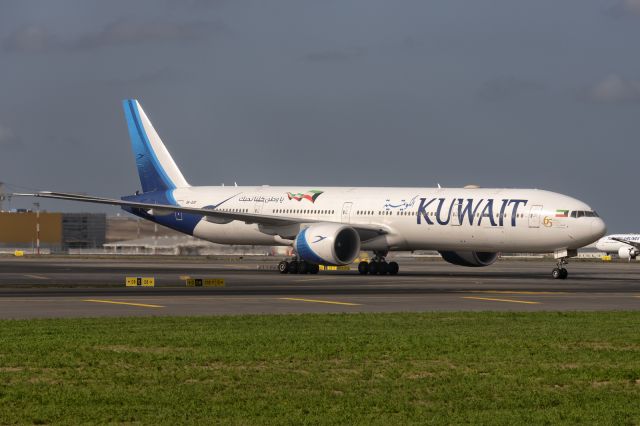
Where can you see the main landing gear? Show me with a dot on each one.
(560, 272)
(297, 267)
(378, 265)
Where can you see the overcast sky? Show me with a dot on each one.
(506, 93)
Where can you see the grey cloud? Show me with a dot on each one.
(614, 89)
(129, 32)
(624, 8)
(164, 74)
(336, 55)
(199, 4)
(507, 88)
(8, 138)
(412, 42)
(39, 39)
(31, 39)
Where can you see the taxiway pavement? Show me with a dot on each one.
(60, 287)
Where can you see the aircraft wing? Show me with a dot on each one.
(635, 244)
(268, 221)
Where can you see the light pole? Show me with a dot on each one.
(37, 206)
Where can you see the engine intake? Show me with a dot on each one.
(328, 243)
(469, 258)
(628, 253)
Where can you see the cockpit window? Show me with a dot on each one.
(583, 213)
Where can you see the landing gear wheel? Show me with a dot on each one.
(293, 267)
(393, 268)
(303, 267)
(314, 268)
(383, 268)
(560, 272)
(373, 268)
(283, 267)
(363, 268)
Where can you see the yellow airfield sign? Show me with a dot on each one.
(207, 282)
(140, 282)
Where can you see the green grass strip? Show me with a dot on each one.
(481, 368)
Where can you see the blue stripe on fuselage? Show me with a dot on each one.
(186, 224)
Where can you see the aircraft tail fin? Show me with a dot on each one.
(156, 168)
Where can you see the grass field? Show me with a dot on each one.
(499, 368)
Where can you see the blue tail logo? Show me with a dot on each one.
(156, 168)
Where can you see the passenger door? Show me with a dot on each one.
(346, 212)
(534, 216)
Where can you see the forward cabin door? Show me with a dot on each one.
(258, 202)
(534, 216)
(346, 212)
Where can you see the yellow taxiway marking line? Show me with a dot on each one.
(37, 277)
(329, 302)
(515, 292)
(502, 300)
(113, 302)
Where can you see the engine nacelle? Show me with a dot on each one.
(328, 244)
(628, 252)
(469, 258)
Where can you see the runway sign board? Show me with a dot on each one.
(207, 282)
(18, 253)
(140, 282)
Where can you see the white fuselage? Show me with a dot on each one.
(610, 245)
(478, 219)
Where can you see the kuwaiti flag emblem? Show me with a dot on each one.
(562, 213)
(309, 195)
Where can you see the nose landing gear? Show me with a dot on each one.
(560, 272)
(561, 256)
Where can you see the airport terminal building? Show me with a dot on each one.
(58, 232)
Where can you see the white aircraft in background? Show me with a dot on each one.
(331, 225)
(626, 246)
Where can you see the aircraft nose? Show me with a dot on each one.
(598, 228)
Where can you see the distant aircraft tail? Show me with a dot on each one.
(157, 170)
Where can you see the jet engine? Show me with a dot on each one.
(628, 252)
(328, 244)
(469, 258)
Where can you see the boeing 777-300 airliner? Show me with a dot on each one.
(331, 225)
